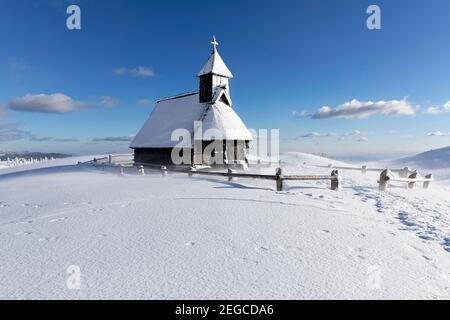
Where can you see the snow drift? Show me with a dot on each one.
(177, 237)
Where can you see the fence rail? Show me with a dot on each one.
(278, 177)
(403, 172)
(405, 175)
(388, 176)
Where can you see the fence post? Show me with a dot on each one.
(231, 171)
(385, 176)
(364, 169)
(412, 176)
(279, 180)
(141, 170)
(110, 159)
(121, 169)
(426, 184)
(191, 171)
(336, 180)
(404, 172)
(164, 171)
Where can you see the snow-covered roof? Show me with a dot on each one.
(168, 115)
(215, 65)
(180, 112)
(218, 93)
(221, 117)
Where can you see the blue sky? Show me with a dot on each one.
(286, 56)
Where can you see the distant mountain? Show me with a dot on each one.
(433, 159)
(28, 155)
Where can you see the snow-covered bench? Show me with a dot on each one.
(388, 176)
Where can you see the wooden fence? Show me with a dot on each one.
(278, 177)
(403, 172)
(406, 175)
(388, 176)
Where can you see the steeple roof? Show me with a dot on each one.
(215, 64)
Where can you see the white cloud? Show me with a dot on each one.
(120, 71)
(363, 109)
(301, 114)
(115, 139)
(13, 134)
(363, 139)
(7, 125)
(2, 110)
(439, 134)
(108, 101)
(140, 72)
(40, 139)
(144, 102)
(311, 135)
(438, 110)
(66, 140)
(52, 103)
(433, 110)
(318, 135)
(447, 106)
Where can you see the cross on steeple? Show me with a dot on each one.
(214, 75)
(214, 43)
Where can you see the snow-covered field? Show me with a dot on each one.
(177, 237)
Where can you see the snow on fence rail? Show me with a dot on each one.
(121, 158)
(388, 176)
(411, 177)
(278, 177)
(403, 173)
(112, 159)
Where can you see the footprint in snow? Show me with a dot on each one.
(447, 244)
(289, 248)
(355, 252)
(22, 233)
(32, 205)
(58, 219)
(261, 249)
(190, 244)
(48, 239)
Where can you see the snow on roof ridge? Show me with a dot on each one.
(181, 95)
(215, 65)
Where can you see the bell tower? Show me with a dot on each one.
(213, 76)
